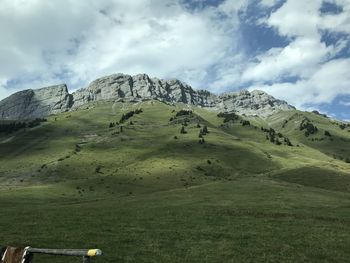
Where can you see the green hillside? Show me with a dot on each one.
(174, 183)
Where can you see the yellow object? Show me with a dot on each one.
(92, 252)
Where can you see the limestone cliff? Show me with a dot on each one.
(29, 104)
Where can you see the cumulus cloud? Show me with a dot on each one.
(319, 76)
(345, 103)
(299, 58)
(50, 42)
(323, 86)
(45, 42)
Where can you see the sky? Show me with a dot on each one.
(295, 50)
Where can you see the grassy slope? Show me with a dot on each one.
(143, 196)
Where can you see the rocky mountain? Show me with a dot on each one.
(248, 103)
(28, 104)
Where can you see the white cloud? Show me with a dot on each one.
(328, 82)
(345, 103)
(47, 42)
(50, 42)
(320, 77)
(296, 18)
(269, 3)
(299, 58)
(338, 22)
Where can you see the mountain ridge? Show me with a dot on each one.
(37, 103)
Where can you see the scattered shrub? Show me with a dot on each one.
(98, 169)
(327, 133)
(245, 123)
(342, 126)
(308, 126)
(287, 142)
(129, 114)
(183, 113)
(205, 130)
(284, 123)
(11, 127)
(277, 142)
(228, 116)
(274, 137)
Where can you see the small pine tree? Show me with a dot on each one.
(198, 125)
(287, 142)
(182, 131)
(201, 141)
(121, 128)
(205, 130)
(245, 123)
(327, 133)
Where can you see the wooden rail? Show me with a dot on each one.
(85, 253)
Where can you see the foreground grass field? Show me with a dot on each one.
(142, 195)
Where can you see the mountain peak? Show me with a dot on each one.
(36, 103)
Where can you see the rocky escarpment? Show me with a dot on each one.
(42, 102)
(142, 87)
(30, 104)
(256, 102)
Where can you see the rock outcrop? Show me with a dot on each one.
(248, 103)
(42, 102)
(31, 104)
(142, 87)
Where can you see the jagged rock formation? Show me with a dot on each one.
(256, 102)
(42, 102)
(31, 104)
(142, 87)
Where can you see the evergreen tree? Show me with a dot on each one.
(205, 130)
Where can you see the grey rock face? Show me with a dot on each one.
(252, 103)
(55, 99)
(143, 88)
(30, 104)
